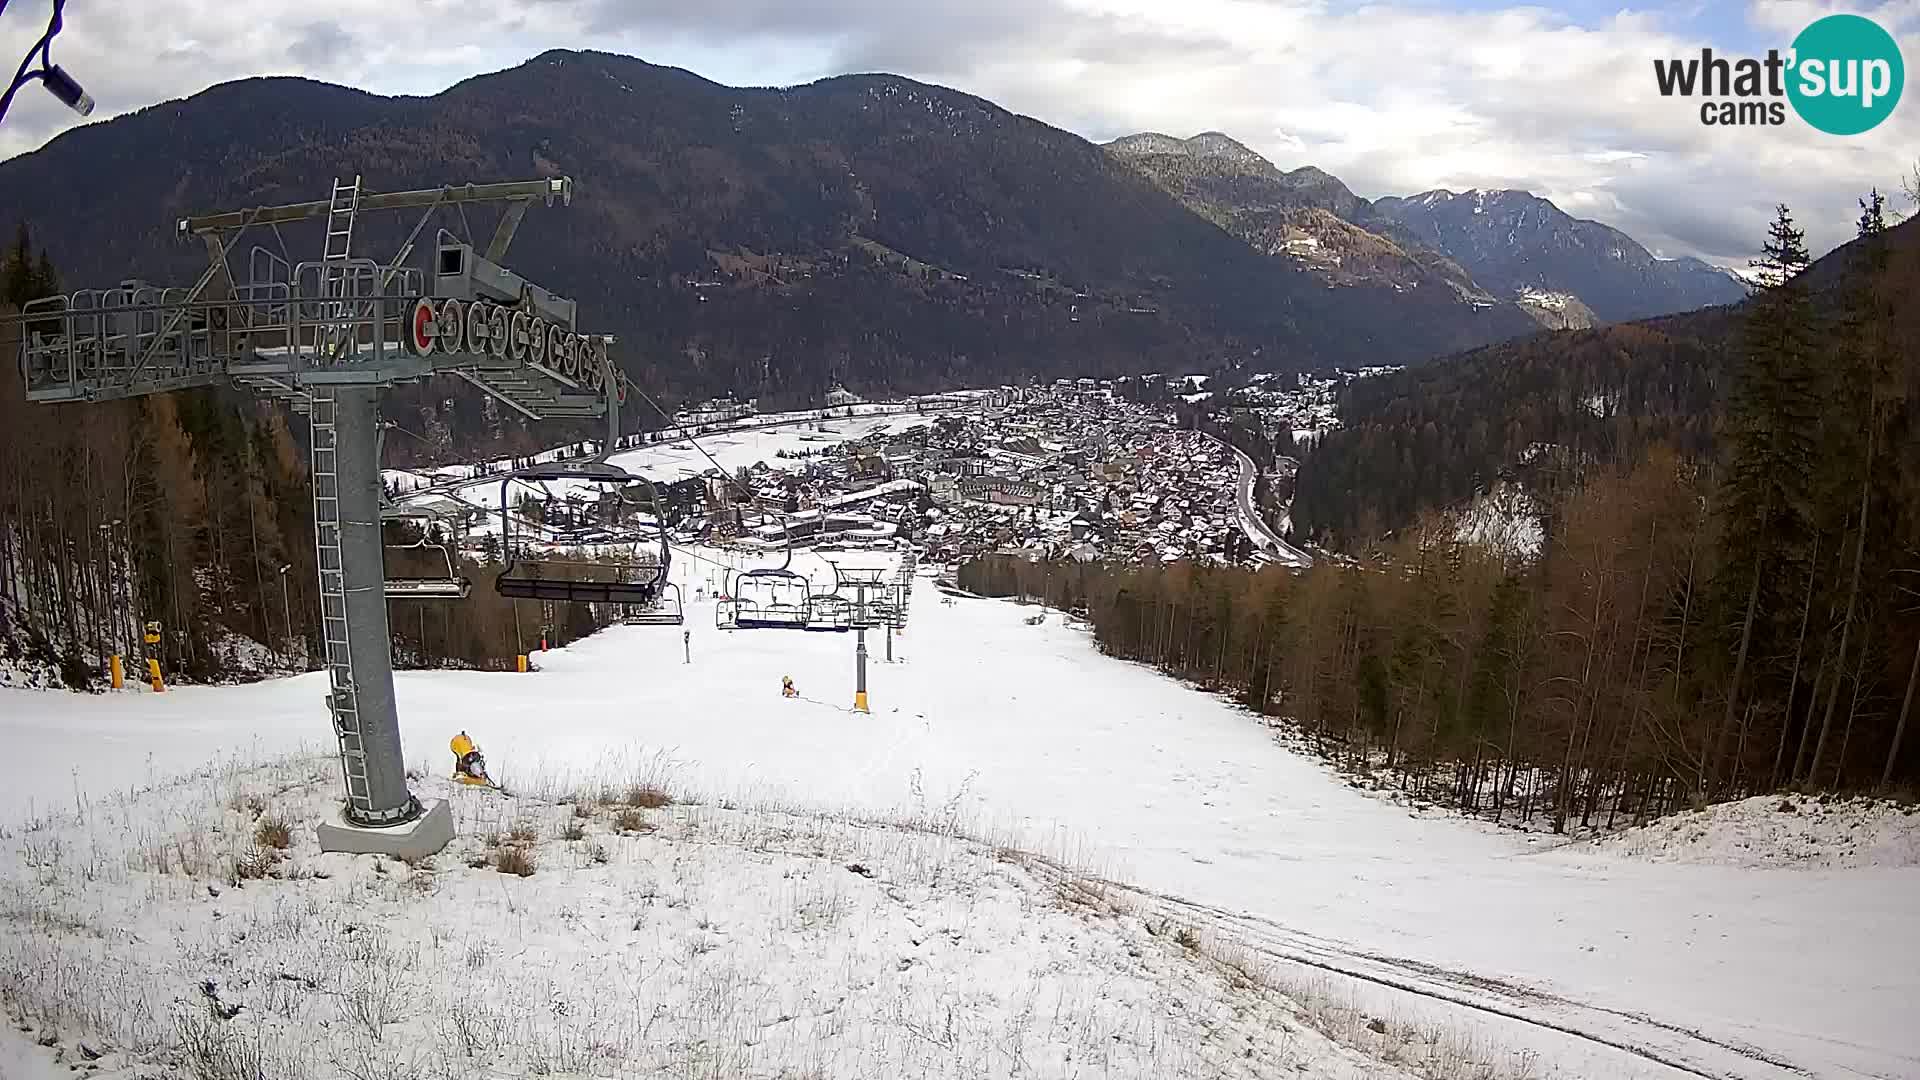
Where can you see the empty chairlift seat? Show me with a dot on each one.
(768, 598)
(447, 586)
(618, 555)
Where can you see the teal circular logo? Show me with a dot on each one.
(1846, 74)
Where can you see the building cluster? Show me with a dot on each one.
(1069, 470)
(1304, 406)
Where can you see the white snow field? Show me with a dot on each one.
(673, 461)
(157, 937)
(1602, 962)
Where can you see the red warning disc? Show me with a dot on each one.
(422, 328)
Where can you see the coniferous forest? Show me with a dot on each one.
(1721, 605)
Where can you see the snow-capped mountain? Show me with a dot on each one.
(1513, 241)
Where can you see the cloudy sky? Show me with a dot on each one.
(1395, 98)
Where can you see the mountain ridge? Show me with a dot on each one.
(922, 236)
(1413, 243)
(1547, 248)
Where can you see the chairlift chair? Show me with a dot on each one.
(826, 611)
(667, 611)
(451, 586)
(639, 583)
(767, 596)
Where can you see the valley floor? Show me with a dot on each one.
(1600, 960)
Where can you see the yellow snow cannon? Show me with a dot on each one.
(469, 767)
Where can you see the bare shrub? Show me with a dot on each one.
(377, 994)
(523, 831)
(254, 865)
(582, 808)
(273, 832)
(515, 860)
(573, 830)
(631, 820)
(215, 1050)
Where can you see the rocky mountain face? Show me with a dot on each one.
(1512, 241)
(1509, 252)
(1306, 216)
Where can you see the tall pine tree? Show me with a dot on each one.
(1767, 500)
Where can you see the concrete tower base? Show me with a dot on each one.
(423, 836)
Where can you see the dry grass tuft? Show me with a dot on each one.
(632, 821)
(524, 831)
(648, 797)
(573, 830)
(514, 860)
(273, 832)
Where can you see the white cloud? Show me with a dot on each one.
(1392, 98)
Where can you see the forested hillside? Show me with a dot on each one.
(1726, 601)
(866, 229)
(1544, 407)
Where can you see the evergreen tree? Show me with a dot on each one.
(46, 281)
(1767, 501)
(17, 284)
(1863, 383)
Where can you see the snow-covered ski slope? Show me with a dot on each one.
(670, 462)
(1721, 971)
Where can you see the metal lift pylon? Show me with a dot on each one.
(325, 337)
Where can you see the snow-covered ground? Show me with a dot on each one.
(667, 463)
(1776, 831)
(605, 935)
(732, 446)
(1033, 738)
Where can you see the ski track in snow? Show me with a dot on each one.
(1716, 971)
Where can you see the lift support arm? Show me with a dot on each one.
(559, 187)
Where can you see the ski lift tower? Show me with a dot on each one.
(864, 616)
(325, 336)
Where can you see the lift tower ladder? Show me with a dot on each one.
(327, 336)
(335, 632)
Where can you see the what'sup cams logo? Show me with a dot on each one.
(1843, 76)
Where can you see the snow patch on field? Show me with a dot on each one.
(197, 928)
(1772, 831)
